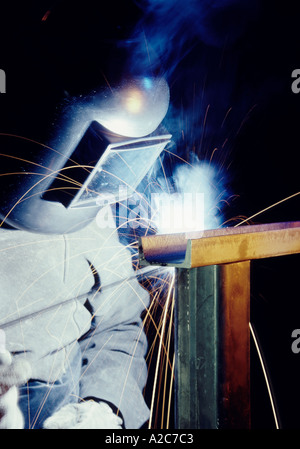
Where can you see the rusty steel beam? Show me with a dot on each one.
(219, 246)
(212, 316)
(234, 345)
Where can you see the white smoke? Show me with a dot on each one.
(196, 205)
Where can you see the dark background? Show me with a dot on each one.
(231, 102)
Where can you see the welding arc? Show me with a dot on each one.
(264, 369)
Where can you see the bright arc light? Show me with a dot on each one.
(195, 205)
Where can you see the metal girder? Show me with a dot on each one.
(212, 347)
(219, 246)
(212, 334)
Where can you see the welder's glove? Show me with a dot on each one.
(12, 374)
(84, 415)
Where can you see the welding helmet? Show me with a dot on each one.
(84, 125)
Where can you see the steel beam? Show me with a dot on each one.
(219, 246)
(212, 334)
(196, 352)
(212, 347)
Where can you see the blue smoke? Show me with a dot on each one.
(170, 29)
(195, 45)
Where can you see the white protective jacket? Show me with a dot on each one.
(45, 282)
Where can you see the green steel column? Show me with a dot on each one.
(196, 336)
(212, 347)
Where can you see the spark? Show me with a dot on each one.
(172, 369)
(268, 208)
(46, 15)
(253, 333)
(160, 349)
(226, 115)
(204, 125)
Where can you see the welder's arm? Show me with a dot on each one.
(114, 367)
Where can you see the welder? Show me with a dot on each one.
(85, 125)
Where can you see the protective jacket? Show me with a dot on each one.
(65, 293)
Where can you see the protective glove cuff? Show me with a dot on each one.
(115, 409)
